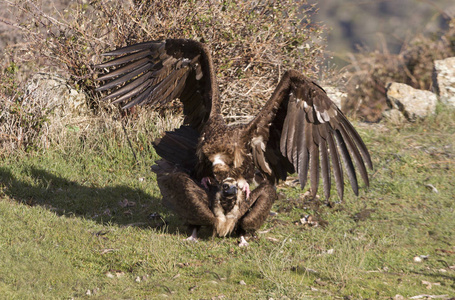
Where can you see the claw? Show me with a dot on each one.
(243, 184)
(205, 182)
(243, 242)
(246, 189)
(193, 237)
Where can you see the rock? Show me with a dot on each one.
(61, 108)
(60, 97)
(336, 96)
(409, 102)
(394, 115)
(417, 259)
(444, 80)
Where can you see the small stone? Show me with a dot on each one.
(191, 289)
(241, 282)
(432, 188)
(417, 259)
(320, 282)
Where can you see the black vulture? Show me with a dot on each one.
(207, 166)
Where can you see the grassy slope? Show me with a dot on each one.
(65, 230)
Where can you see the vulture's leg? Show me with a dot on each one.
(243, 242)
(262, 199)
(184, 196)
(193, 236)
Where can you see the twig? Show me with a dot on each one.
(437, 162)
(129, 142)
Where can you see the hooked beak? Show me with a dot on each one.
(229, 189)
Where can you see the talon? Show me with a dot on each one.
(205, 182)
(193, 238)
(246, 189)
(243, 242)
(243, 184)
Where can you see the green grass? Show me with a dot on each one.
(65, 231)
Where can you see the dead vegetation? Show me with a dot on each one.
(369, 72)
(252, 43)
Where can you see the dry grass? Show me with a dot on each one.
(252, 43)
(369, 72)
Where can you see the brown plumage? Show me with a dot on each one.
(298, 130)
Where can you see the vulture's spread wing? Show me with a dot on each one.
(301, 129)
(158, 72)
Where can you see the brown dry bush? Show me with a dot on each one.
(252, 42)
(369, 72)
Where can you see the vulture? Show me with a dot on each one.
(224, 176)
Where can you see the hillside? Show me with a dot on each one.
(387, 26)
(80, 211)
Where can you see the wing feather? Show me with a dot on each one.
(152, 45)
(292, 115)
(125, 69)
(157, 72)
(131, 91)
(356, 155)
(336, 164)
(349, 166)
(358, 140)
(124, 78)
(304, 153)
(313, 136)
(126, 58)
(325, 163)
(314, 163)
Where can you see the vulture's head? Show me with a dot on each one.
(221, 166)
(229, 188)
(226, 160)
(230, 193)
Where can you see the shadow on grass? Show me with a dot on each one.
(119, 204)
(437, 276)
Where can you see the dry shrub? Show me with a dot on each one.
(252, 42)
(369, 72)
